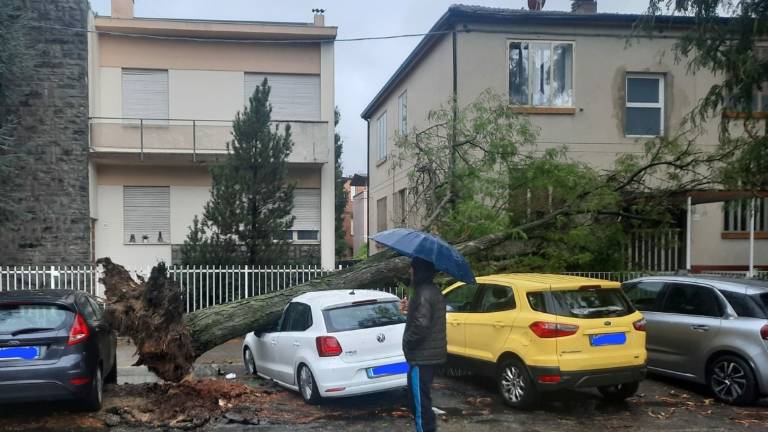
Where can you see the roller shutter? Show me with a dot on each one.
(293, 97)
(147, 212)
(306, 209)
(145, 94)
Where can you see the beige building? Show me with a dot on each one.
(584, 84)
(163, 93)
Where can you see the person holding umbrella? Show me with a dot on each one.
(424, 339)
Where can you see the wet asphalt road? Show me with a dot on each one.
(470, 404)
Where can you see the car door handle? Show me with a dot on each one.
(455, 323)
(273, 341)
(296, 344)
(701, 328)
(498, 324)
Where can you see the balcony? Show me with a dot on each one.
(198, 140)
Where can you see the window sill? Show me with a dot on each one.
(544, 110)
(381, 162)
(742, 235)
(760, 115)
(147, 244)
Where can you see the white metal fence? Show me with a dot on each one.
(82, 278)
(205, 286)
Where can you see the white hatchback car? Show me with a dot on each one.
(331, 344)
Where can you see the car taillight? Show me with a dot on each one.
(764, 332)
(328, 346)
(79, 331)
(639, 325)
(548, 330)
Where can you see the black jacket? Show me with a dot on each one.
(424, 340)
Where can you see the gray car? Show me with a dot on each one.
(707, 330)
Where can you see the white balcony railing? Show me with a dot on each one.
(196, 137)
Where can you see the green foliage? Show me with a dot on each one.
(341, 195)
(485, 174)
(728, 48)
(362, 254)
(251, 197)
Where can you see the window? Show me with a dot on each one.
(369, 315)
(86, 309)
(146, 214)
(145, 94)
(736, 215)
(644, 295)
(461, 298)
(744, 305)
(644, 114)
(399, 201)
(293, 97)
(381, 215)
(688, 299)
(297, 317)
(497, 298)
(382, 136)
(15, 317)
(590, 303)
(541, 73)
(306, 212)
(402, 112)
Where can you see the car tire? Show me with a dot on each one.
(111, 377)
(732, 381)
(620, 392)
(92, 401)
(516, 386)
(249, 361)
(308, 386)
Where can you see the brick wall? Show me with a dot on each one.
(51, 107)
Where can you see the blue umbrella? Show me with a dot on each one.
(417, 244)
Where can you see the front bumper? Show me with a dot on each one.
(586, 379)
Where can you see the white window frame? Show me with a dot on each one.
(402, 113)
(627, 104)
(381, 134)
(551, 43)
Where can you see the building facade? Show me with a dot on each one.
(580, 79)
(163, 94)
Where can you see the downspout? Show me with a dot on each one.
(368, 187)
(455, 116)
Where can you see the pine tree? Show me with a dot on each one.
(342, 249)
(251, 197)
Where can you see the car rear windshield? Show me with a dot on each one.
(362, 316)
(15, 318)
(583, 303)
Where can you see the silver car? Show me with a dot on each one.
(708, 330)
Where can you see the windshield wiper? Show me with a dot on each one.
(31, 330)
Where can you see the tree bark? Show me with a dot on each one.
(151, 312)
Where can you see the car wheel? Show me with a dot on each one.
(732, 381)
(307, 386)
(620, 392)
(111, 377)
(92, 401)
(516, 386)
(249, 361)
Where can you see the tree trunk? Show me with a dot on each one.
(167, 341)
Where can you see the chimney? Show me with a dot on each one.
(584, 7)
(122, 9)
(319, 17)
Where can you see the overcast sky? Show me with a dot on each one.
(363, 67)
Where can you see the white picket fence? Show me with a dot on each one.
(82, 278)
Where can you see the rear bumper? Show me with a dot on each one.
(43, 382)
(587, 379)
(338, 379)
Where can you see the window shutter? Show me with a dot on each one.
(145, 94)
(306, 209)
(147, 212)
(293, 97)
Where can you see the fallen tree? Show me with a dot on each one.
(150, 312)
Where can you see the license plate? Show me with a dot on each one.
(608, 339)
(24, 353)
(387, 370)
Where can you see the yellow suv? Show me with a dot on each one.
(536, 333)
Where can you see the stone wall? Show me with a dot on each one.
(51, 109)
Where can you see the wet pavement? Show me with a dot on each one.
(469, 403)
